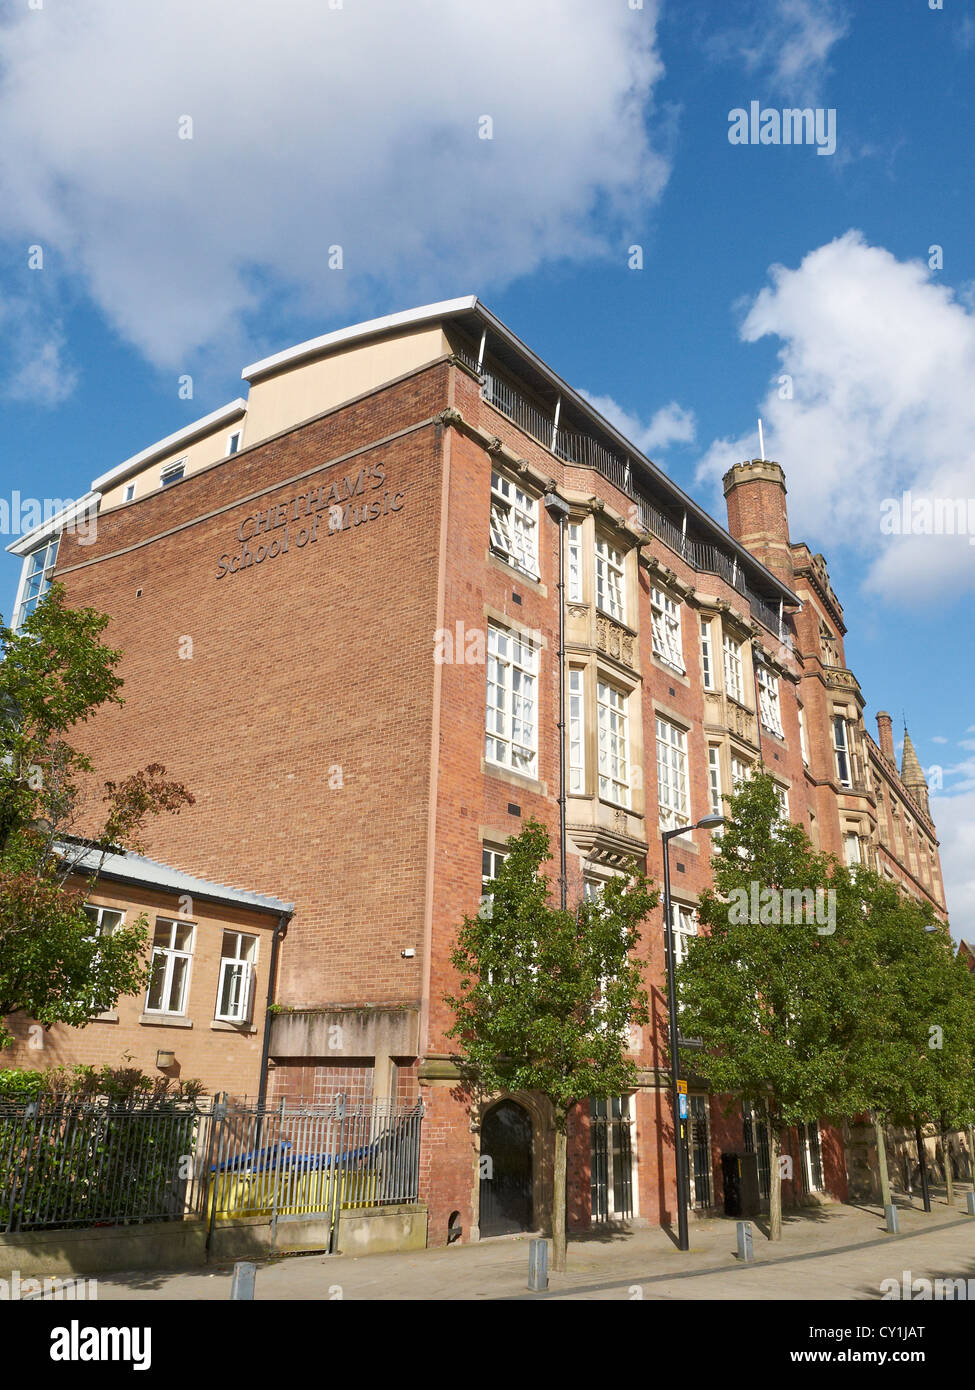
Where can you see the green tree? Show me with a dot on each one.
(546, 996)
(55, 675)
(774, 999)
(917, 1019)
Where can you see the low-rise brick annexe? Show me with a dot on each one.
(309, 614)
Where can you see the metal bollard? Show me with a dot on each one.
(745, 1251)
(538, 1265)
(890, 1212)
(970, 1203)
(242, 1285)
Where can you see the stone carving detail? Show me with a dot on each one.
(619, 821)
(611, 639)
(577, 610)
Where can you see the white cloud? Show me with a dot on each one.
(671, 424)
(313, 127)
(955, 819)
(36, 370)
(879, 359)
(938, 738)
(786, 44)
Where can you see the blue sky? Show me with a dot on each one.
(358, 124)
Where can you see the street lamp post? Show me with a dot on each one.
(708, 823)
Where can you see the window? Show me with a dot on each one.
(812, 1156)
(130, 492)
(235, 993)
(172, 473)
(611, 1158)
(665, 621)
(740, 772)
(802, 737)
(841, 750)
(491, 861)
(172, 946)
(707, 658)
(574, 562)
(851, 849)
(512, 729)
(105, 919)
(609, 580)
(829, 646)
(514, 524)
(768, 700)
(672, 775)
(614, 779)
(733, 683)
(38, 569)
(683, 921)
(577, 732)
(233, 442)
(783, 799)
(714, 779)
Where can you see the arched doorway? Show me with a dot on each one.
(506, 1170)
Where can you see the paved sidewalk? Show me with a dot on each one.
(825, 1253)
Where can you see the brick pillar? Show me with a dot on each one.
(886, 735)
(757, 514)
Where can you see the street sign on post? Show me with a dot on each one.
(683, 1105)
(682, 1088)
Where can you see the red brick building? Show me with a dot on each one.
(339, 610)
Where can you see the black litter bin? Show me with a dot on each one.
(740, 1174)
(731, 1177)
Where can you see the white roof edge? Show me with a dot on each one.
(231, 411)
(31, 539)
(404, 319)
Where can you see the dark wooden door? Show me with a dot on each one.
(506, 1170)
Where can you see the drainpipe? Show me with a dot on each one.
(558, 510)
(280, 932)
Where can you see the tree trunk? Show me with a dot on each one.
(923, 1166)
(558, 1194)
(881, 1142)
(949, 1176)
(775, 1180)
(971, 1155)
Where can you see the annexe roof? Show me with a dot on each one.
(125, 866)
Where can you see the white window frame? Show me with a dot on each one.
(173, 472)
(610, 580)
(714, 779)
(97, 917)
(511, 718)
(707, 656)
(613, 756)
(573, 562)
(673, 793)
(233, 448)
(491, 860)
(741, 772)
(245, 968)
(769, 705)
(841, 751)
(734, 681)
(129, 494)
(803, 743)
(852, 855)
(576, 730)
(170, 954)
(42, 572)
(514, 525)
(783, 795)
(666, 630)
(684, 925)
